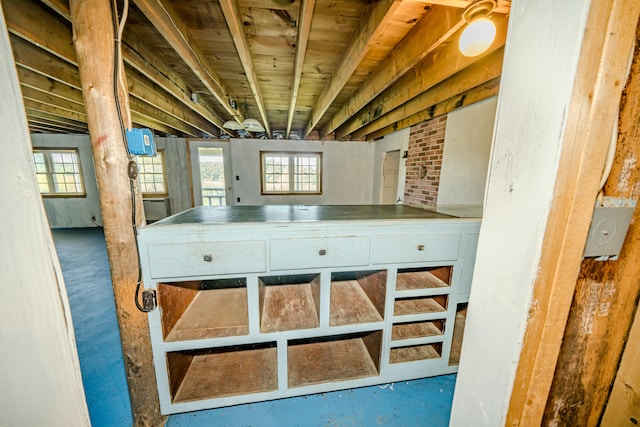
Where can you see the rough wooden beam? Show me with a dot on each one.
(476, 74)
(601, 69)
(151, 112)
(502, 6)
(50, 109)
(46, 84)
(606, 298)
(439, 65)
(435, 28)
(302, 40)
(45, 98)
(169, 24)
(232, 15)
(93, 41)
(55, 124)
(471, 96)
(370, 28)
(62, 121)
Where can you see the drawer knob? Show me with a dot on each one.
(322, 252)
(421, 247)
(208, 258)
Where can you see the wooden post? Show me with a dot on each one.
(93, 38)
(607, 293)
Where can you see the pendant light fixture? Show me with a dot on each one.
(249, 124)
(480, 31)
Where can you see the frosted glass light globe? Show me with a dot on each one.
(477, 37)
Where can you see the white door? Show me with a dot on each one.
(390, 167)
(211, 173)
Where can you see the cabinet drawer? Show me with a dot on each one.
(206, 259)
(416, 248)
(317, 253)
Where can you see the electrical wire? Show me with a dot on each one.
(118, 28)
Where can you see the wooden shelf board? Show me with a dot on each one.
(403, 331)
(351, 305)
(228, 374)
(456, 340)
(402, 307)
(288, 307)
(407, 281)
(409, 354)
(329, 361)
(213, 313)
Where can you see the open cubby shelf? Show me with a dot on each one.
(203, 309)
(221, 372)
(337, 358)
(415, 352)
(404, 331)
(423, 278)
(420, 305)
(458, 333)
(289, 302)
(357, 297)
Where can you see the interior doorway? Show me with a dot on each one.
(211, 173)
(390, 169)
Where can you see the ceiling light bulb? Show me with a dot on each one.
(477, 37)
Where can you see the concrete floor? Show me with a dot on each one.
(83, 257)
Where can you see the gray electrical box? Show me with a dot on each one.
(609, 227)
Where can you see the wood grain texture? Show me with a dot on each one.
(226, 372)
(403, 331)
(332, 360)
(93, 41)
(288, 307)
(415, 352)
(419, 305)
(589, 118)
(351, 305)
(606, 295)
(458, 334)
(409, 280)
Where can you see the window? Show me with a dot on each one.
(58, 172)
(151, 175)
(291, 173)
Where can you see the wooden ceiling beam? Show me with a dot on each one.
(441, 64)
(502, 6)
(141, 120)
(435, 28)
(149, 111)
(169, 24)
(56, 123)
(232, 15)
(369, 30)
(47, 84)
(476, 74)
(62, 121)
(145, 91)
(302, 40)
(471, 96)
(137, 56)
(52, 100)
(55, 111)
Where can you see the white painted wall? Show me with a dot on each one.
(40, 381)
(537, 79)
(394, 141)
(72, 211)
(347, 171)
(465, 158)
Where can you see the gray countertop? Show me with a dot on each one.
(297, 213)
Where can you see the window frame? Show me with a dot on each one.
(164, 177)
(291, 155)
(47, 151)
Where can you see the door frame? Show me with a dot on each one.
(194, 168)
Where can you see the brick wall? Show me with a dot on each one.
(426, 142)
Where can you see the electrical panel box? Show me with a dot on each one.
(140, 142)
(609, 227)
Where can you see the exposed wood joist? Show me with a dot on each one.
(438, 66)
(53, 110)
(476, 94)
(502, 6)
(146, 63)
(302, 39)
(231, 12)
(169, 24)
(151, 112)
(52, 100)
(56, 124)
(435, 27)
(489, 68)
(39, 81)
(57, 120)
(369, 29)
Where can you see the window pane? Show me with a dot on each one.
(290, 173)
(58, 172)
(151, 174)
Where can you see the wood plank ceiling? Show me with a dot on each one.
(349, 69)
